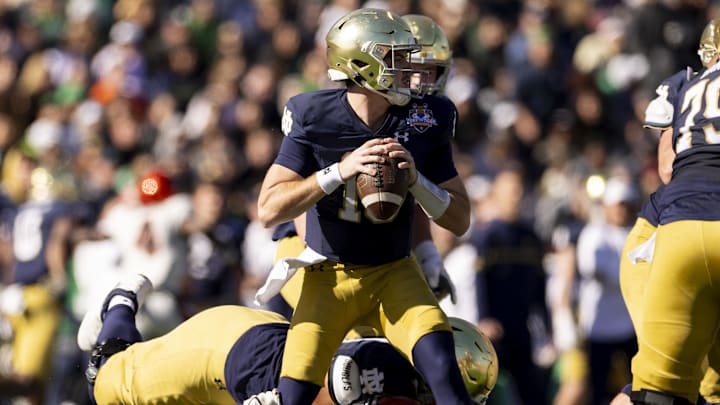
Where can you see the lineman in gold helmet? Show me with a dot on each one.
(244, 359)
(660, 114)
(476, 358)
(435, 56)
(709, 42)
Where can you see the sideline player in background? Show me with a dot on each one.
(680, 314)
(362, 267)
(241, 350)
(32, 302)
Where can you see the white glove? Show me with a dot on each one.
(565, 336)
(433, 268)
(264, 398)
(11, 300)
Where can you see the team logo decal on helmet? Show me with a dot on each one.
(476, 358)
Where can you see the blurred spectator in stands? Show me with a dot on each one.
(146, 224)
(511, 285)
(214, 252)
(604, 322)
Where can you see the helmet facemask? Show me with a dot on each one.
(395, 79)
(709, 42)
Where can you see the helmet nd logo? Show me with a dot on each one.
(421, 118)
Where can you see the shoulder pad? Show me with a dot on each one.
(659, 112)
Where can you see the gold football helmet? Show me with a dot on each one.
(365, 45)
(709, 42)
(435, 51)
(476, 358)
(46, 185)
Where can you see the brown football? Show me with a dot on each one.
(382, 195)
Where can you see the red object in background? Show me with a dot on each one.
(154, 187)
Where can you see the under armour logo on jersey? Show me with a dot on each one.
(220, 384)
(401, 136)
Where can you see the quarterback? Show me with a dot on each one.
(434, 60)
(225, 354)
(365, 267)
(679, 315)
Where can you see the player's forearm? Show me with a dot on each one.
(666, 156)
(456, 218)
(285, 201)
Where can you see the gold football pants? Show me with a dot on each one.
(185, 366)
(332, 298)
(678, 313)
(34, 332)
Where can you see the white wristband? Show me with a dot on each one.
(431, 198)
(329, 178)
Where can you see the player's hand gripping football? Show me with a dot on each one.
(396, 150)
(362, 159)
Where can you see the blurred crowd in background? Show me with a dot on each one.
(97, 95)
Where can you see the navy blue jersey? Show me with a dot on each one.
(8, 211)
(284, 230)
(253, 364)
(694, 192)
(321, 127)
(651, 209)
(31, 230)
